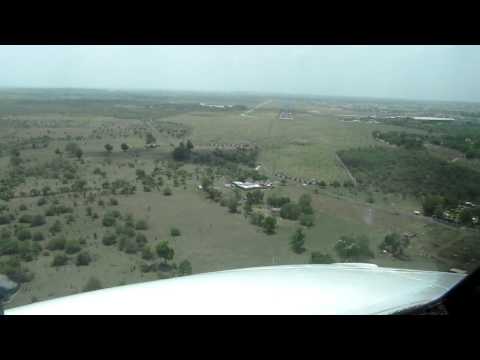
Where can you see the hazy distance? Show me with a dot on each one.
(450, 73)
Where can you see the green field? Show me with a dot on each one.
(211, 237)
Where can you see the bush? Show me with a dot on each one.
(93, 284)
(25, 219)
(174, 231)
(317, 257)
(9, 246)
(164, 251)
(307, 220)
(83, 259)
(51, 211)
(131, 246)
(108, 220)
(147, 253)
(277, 201)
(141, 239)
(257, 219)
(24, 234)
(42, 201)
(109, 239)
(22, 207)
(167, 191)
(72, 247)
(57, 243)
(141, 225)
(38, 236)
(59, 260)
(38, 220)
(185, 268)
(4, 219)
(13, 269)
(56, 227)
(113, 202)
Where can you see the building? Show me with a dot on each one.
(252, 185)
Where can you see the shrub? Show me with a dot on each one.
(167, 191)
(59, 260)
(83, 259)
(56, 227)
(38, 236)
(14, 270)
(92, 284)
(9, 246)
(72, 247)
(164, 251)
(38, 220)
(113, 202)
(24, 234)
(57, 243)
(22, 207)
(109, 239)
(317, 257)
(51, 211)
(174, 231)
(141, 225)
(257, 219)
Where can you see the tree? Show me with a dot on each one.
(318, 257)
(57, 243)
(269, 224)
(297, 241)
(24, 234)
(465, 216)
(108, 220)
(93, 284)
(78, 153)
(83, 259)
(395, 244)
(109, 239)
(306, 220)
(150, 139)
(56, 227)
(185, 268)
(255, 197)
(141, 225)
(109, 148)
(124, 147)
(247, 208)
(175, 231)
(189, 145)
(232, 204)
(290, 211)
(164, 251)
(38, 236)
(354, 249)
(181, 152)
(72, 247)
(167, 191)
(38, 220)
(59, 260)
(141, 239)
(147, 253)
(431, 203)
(305, 204)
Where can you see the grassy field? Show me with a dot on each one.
(211, 238)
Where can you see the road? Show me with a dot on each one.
(255, 108)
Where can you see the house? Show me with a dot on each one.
(246, 185)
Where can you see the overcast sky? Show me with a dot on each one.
(410, 72)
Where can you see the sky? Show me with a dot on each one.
(450, 73)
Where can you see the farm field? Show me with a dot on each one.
(137, 183)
